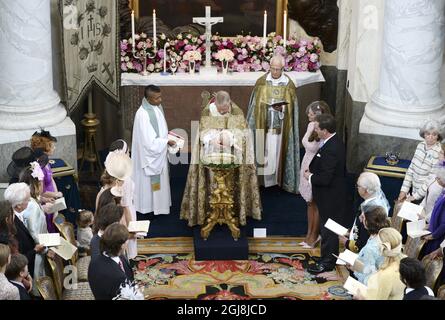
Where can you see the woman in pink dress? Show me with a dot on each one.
(311, 144)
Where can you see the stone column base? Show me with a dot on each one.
(11, 140)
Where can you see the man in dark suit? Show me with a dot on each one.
(109, 270)
(326, 174)
(17, 272)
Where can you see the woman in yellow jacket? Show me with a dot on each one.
(385, 284)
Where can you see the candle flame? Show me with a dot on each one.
(154, 11)
(265, 12)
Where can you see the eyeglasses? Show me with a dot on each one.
(359, 186)
(276, 69)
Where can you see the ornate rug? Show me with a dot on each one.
(263, 276)
(185, 245)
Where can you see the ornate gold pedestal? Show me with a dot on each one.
(90, 153)
(221, 204)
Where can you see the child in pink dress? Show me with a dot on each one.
(311, 144)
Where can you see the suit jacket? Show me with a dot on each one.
(24, 295)
(105, 276)
(26, 244)
(328, 179)
(95, 245)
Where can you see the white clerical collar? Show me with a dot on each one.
(214, 111)
(20, 216)
(281, 80)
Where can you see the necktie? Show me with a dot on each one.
(121, 265)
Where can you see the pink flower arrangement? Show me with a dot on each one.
(248, 52)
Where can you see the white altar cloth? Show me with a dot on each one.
(233, 79)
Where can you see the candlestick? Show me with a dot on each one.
(154, 29)
(284, 29)
(265, 29)
(164, 73)
(132, 30)
(90, 101)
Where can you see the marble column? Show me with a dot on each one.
(409, 91)
(28, 100)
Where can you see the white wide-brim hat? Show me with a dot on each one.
(118, 165)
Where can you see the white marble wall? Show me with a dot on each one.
(409, 86)
(27, 97)
(28, 100)
(365, 45)
(344, 33)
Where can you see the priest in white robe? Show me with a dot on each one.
(273, 116)
(149, 154)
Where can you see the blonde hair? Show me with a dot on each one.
(391, 246)
(4, 254)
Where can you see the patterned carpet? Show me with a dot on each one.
(266, 275)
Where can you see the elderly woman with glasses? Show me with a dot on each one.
(369, 188)
(425, 158)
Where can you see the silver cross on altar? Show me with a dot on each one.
(208, 22)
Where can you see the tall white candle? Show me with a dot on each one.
(154, 29)
(265, 29)
(132, 30)
(285, 28)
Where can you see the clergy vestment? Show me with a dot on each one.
(150, 161)
(277, 143)
(195, 202)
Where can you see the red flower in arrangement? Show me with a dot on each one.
(225, 295)
(142, 265)
(220, 266)
(294, 263)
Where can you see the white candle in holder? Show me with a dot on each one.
(154, 29)
(132, 31)
(265, 29)
(165, 56)
(285, 28)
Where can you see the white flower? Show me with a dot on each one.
(129, 291)
(225, 54)
(179, 36)
(163, 37)
(313, 57)
(192, 55)
(130, 65)
(127, 58)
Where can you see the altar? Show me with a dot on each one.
(182, 101)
